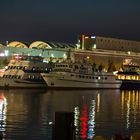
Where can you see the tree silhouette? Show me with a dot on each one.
(111, 66)
(100, 67)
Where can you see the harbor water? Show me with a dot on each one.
(29, 114)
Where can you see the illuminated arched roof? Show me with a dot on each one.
(17, 44)
(40, 45)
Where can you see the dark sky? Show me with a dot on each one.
(63, 20)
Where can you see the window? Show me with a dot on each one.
(105, 78)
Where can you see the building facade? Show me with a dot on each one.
(105, 51)
(96, 42)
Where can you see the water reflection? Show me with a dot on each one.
(117, 111)
(130, 101)
(29, 114)
(3, 109)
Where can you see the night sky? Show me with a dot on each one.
(63, 20)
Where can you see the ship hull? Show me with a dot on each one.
(130, 84)
(65, 81)
(7, 83)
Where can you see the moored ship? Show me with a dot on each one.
(130, 77)
(23, 71)
(79, 75)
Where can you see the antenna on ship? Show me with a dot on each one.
(7, 43)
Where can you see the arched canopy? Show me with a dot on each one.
(40, 45)
(17, 44)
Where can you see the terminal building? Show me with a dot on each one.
(106, 43)
(37, 48)
(96, 49)
(105, 50)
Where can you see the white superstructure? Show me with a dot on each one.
(23, 71)
(78, 75)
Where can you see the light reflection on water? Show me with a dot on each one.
(29, 114)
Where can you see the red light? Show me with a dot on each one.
(84, 120)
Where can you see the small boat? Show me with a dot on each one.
(23, 71)
(79, 75)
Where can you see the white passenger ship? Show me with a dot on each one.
(23, 71)
(78, 75)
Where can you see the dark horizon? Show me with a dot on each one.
(62, 21)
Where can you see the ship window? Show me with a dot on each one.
(76, 67)
(83, 76)
(105, 78)
(92, 77)
(87, 77)
(96, 77)
(79, 76)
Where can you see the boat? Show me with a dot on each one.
(23, 71)
(79, 75)
(130, 77)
